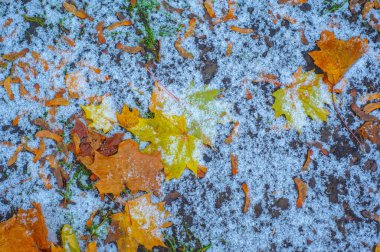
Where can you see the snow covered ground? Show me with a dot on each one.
(341, 184)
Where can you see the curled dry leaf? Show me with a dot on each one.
(26, 230)
(128, 167)
(60, 101)
(247, 201)
(337, 56)
(139, 224)
(209, 8)
(48, 134)
(182, 51)
(241, 30)
(233, 133)
(191, 28)
(15, 55)
(230, 14)
(302, 192)
(292, 2)
(118, 24)
(234, 164)
(371, 107)
(73, 10)
(40, 151)
(371, 131)
(13, 158)
(129, 49)
(305, 166)
(99, 28)
(7, 86)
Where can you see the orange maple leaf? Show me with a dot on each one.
(337, 56)
(128, 167)
(140, 223)
(26, 230)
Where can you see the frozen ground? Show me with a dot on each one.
(341, 185)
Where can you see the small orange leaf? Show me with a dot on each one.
(337, 56)
(209, 8)
(371, 107)
(229, 49)
(70, 42)
(8, 89)
(241, 30)
(247, 201)
(39, 152)
(48, 134)
(99, 28)
(60, 101)
(190, 29)
(13, 158)
(302, 192)
(73, 10)
(232, 134)
(8, 22)
(129, 49)
(234, 164)
(15, 55)
(118, 24)
(182, 51)
(305, 166)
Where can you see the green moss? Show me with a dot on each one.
(40, 21)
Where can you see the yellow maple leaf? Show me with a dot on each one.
(337, 56)
(305, 96)
(102, 116)
(69, 240)
(128, 167)
(140, 224)
(26, 230)
(167, 134)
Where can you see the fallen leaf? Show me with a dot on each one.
(191, 28)
(102, 116)
(169, 135)
(241, 30)
(140, 224)
(26, 230)
(305, 166)
(302, 192)
(15, 55)
(129, 49)
(91, 247)
(202, 108)
(76, 83)
(73, 10)
(337, 56)
(40, 151)
(182, 51)
(247, 201)
(118, 24)
(368, 6)
(305, 96)
(292, 2)
(233, 133)
(370, 131)
(69, 240)
(13, 158)
(229, 49)
(371, 107)
(48, 134)
(99, 28)
(234, 164)
(127, 168)
(7, 86)
(170, 8)
(230, 13)
(60, 101)
(209, 8)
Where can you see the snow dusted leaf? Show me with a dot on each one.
(103, 116)
(337, 56)
(127, 168)
(169, 135)
(292, 2)
(140, 224)
(69, 241)
(202, 108)
(305, 96)
(27, 230)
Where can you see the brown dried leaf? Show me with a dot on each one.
(247, 201)
(182, 51)
(48, 134)
(129, 49)
(302, 192)
(234, 164)
(118, 24)
(15, 55)
(99, 28)
(241, 30)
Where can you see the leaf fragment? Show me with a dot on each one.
(73, 10)
(241, 30)
(99, 28)
(234, 164)
(129, 49)
(15, 55)
(247, 201)
(48, 134)
(182, 51)
(118, 24)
